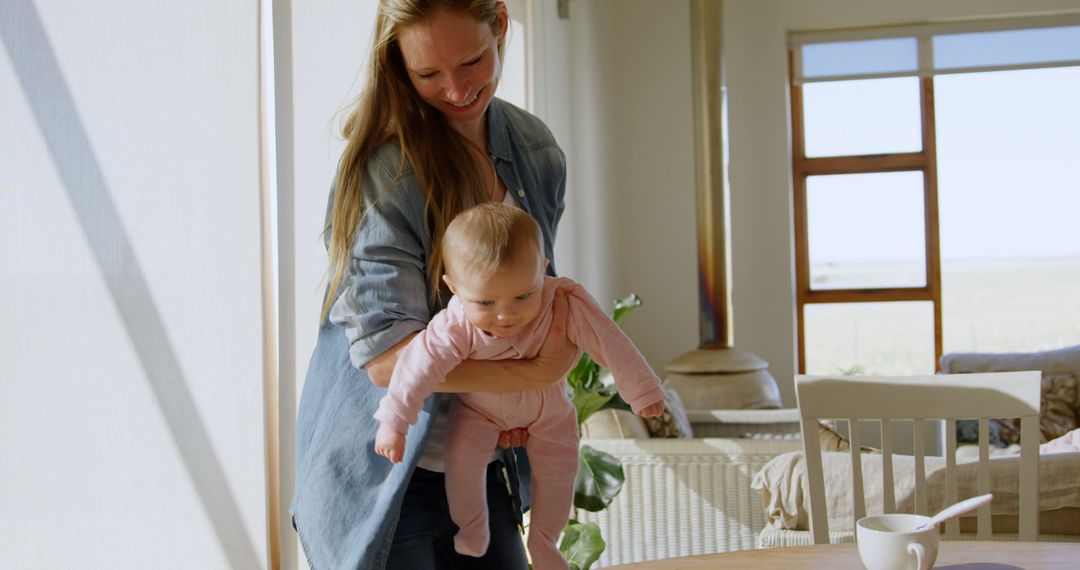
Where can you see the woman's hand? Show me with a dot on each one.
(517, 437)
(558, 355)
(555, 358)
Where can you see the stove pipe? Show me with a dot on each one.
(716, 375)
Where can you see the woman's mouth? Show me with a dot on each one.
(466, 104)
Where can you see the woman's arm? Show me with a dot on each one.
(555, 359)
(381, 368)
(552, 363)
(489, 375)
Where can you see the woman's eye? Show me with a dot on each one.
(425, 75)
(523, 297)
(473, 62)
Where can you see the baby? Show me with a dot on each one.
(502, 308)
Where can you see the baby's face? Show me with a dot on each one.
(503, 303)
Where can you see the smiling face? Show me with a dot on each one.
(453, 62)
(501, 304)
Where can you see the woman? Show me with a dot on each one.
(426, 140)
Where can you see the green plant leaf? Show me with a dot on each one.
(624, 306)
(581, 544)
(617, 403)
(589, 402)
(600, 477)
(586, 375)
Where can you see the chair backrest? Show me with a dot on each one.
(945, 397)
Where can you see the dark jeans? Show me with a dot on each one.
(424, 538)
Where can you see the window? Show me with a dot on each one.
(933, 192)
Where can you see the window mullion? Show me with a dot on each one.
(802, 251)
(864, 164)
(884, 295)
(930, 209)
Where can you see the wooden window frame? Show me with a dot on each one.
(924, 161)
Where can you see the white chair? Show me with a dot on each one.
(939, 397)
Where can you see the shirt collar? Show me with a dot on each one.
(498, 131)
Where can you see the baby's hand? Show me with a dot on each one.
(390, 443)
(652, 410)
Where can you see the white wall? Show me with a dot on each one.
(630, 206)
(329, 47)
(131, 421)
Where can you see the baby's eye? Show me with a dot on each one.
(485, 303)
(523, 296)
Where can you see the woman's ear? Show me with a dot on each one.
(502, 22)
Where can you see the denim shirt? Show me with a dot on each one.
(348, 498)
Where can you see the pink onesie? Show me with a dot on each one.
(477, 417)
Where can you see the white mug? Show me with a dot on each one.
(890, 542)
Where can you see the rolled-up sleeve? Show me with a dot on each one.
(384, 296)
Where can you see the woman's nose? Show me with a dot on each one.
(458, 90)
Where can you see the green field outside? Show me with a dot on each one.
(987, 306)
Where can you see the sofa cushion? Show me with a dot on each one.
(614, 424)
(674, 421)
(1062, 360)
(832, 440)
(1060, 408)
(1057, 410)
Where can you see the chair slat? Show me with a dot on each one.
(952, 526)
(819, 518)
(983, 531)
(920, 468)
(889, 496)
(858, 491)
(1029, 478)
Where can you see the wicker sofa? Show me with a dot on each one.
(688, 496)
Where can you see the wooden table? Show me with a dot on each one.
(952, 555)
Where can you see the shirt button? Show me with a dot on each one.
(521, 193)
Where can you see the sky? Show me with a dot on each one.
(1008, 144)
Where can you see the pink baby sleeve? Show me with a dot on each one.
(422, 365)
(593, 331)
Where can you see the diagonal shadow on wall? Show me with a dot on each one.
(38, 70)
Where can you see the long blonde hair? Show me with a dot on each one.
(389, 109)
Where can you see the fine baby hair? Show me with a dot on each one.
(486, 237)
